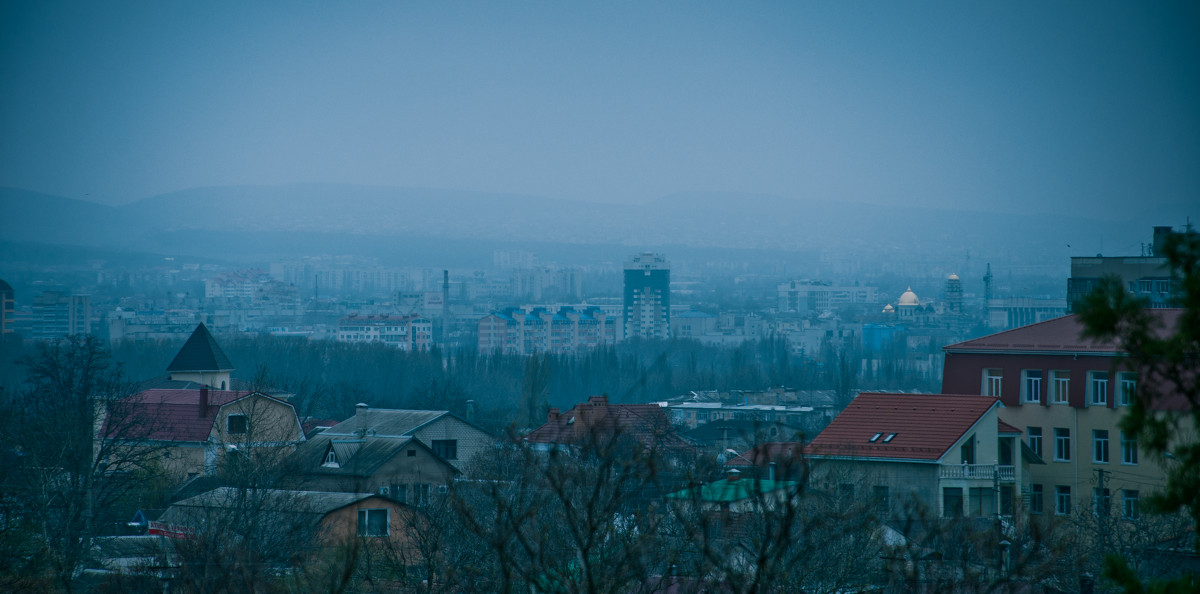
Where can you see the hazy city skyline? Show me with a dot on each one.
(1021, 107)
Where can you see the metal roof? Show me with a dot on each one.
(200, 353)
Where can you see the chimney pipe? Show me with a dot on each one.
(471, 411)
(552, 415)
(203, 401)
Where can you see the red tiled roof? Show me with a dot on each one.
(1003, 427)
(645, 423)
(924, 426)
(1060, 334)
(167, 415)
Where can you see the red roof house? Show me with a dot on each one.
(645, 423)
(944, 451)
(1066, 394)
(195, 428)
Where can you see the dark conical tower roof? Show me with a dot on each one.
(200, 353)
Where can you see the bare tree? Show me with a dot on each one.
(76, 472)
(570, 519)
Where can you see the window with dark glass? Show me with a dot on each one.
(446, 448)
(373, 522)
(236, 425)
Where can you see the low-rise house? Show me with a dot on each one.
(195, 429)
(298, 520)
(775, 460)
(949, 453)
(401, 467)
(740, 435)
(407, 454)
(645, 424)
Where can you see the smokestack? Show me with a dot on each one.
(360, 418)
(471, 411)
(552, 415)
(203, 401)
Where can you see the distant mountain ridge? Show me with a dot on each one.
(700, 220)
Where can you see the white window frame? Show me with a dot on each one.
(1037, 498)
(1129, 504)
(1031, 387)
(1100, 446)
(1060, 386)
(1062, 444)
(1097, 388)
(993, 382)
(1062, 500)
(1126, 388)
(1129, 449)
(1034, 439)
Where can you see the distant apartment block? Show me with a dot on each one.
(806, 297)
(407, 333)
(7, 307)
(1147, 276)
(569, 330)
(323, 277)
(245, 284)
(1007, 313)
(647, 296)
(57, 315)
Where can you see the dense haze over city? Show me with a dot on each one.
(251, 252)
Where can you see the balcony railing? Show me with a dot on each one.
(1005, 473)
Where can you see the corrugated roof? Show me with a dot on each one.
(919, 427)
(385, 421)
(303, 503)
(200, 353)
(1058, 335)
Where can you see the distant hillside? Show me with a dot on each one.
(330, 218)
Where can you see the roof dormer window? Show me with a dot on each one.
(331, 459)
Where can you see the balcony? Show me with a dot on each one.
(1005, 474)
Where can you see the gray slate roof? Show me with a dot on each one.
(385, 422)
(303, 502)
(357, 456)
(200, 353)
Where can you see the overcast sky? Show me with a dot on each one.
(1036, 106)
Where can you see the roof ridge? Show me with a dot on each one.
(200, 353)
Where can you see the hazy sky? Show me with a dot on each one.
(1040, 106)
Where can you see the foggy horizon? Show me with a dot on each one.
(1065, 109)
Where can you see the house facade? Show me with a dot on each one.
(195, 430)
(950, 454)
(1067, 395)
(303, 519)
(404, 469)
